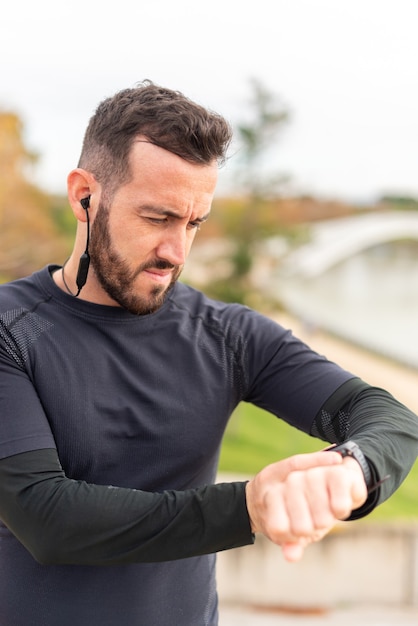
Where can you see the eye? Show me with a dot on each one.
(194, 225)
(157, 220)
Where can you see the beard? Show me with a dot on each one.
(115, 275)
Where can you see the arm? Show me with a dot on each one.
(63, 521)
(297, 504)
(60, 520)
(301, 507)
(385, 430)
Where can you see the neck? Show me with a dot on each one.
(65, 282)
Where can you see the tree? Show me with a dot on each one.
(257, 185)
(29, 236)
(256, 138)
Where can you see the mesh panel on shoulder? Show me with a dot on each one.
(19, 329)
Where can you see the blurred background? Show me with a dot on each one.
(315, 221)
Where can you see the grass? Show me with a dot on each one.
(255, 438)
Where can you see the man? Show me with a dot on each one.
(117, 382)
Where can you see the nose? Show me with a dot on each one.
(173, 246)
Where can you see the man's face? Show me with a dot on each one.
(140, 242)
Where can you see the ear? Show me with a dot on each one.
(80, 184)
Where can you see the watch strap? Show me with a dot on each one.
(350, 448)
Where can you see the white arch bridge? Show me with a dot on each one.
(334, 241)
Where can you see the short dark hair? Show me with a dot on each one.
(165, 117)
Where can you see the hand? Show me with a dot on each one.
(298, 500)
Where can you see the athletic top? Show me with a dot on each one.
(139, 404)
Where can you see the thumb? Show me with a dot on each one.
(299, 462)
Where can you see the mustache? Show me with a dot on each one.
(156, 264)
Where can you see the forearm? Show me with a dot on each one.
(385, 430)
(62, 521)
(387, 433)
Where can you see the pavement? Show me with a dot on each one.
(360, 616)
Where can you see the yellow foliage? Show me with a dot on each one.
(28, 235)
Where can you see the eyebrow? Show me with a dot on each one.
(163, 211)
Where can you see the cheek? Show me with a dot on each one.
(133, 240)
(191, 235)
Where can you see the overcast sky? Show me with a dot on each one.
(345, 69)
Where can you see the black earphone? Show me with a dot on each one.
(85, 202)
(83, 265)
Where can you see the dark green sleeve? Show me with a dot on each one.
(385, 430)
(63, 521)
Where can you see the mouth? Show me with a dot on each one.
(160, 276)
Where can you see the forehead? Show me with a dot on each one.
(158, 169)
(160, 180)
(145, 152)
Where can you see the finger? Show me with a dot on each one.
(297, 506)
(293, 552)
(306, 498)
(340, 493)
(318, 497)
(262, 489)
(358, 484)
(276, 523)
(301, 462)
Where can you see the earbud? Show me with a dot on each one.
(84, 262)
(83, 265)
(85, 203)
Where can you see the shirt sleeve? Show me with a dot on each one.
(64, 521)
(23, 423)
(385, 430)
(282, 374)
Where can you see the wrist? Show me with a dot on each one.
(350, 451)
(248, 502)
(353, 465)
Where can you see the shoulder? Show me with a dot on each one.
(230, 319)
(23, 293)
(199, 304)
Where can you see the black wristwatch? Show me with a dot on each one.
(350, 448)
